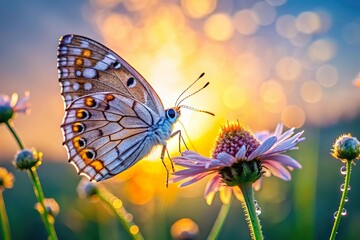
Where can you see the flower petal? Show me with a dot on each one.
(193, 179)
(278, 129)
(288, 144)
(263, 147)
(238, 194)
(241, 153)
(225, 194)
(257, 185)
(211, 188)
(226, 158)
(284, 160)
(277, 170)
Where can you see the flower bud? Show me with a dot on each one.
(6, 113)
(346, 147)
(6, 179)
(28, 158)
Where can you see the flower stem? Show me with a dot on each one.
(122, 215)
(4, 219)
(40, 197)
(12, 130)
(250, 211)
(342, 200)
(219, 222)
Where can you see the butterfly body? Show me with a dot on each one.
(113, 117)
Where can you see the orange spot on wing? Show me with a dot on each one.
(97, 165)
(87, 53)
(109, 97)
(90, 102)
(79, 61)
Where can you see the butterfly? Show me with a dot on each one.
(113, 117)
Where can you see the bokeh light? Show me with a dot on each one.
(219, 27)
(245, 22)
(198, 9)
(327, 75)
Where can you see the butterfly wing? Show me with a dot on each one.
(86, 66)
(106, 133)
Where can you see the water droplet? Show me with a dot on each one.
(346, 199)
(258, 210)
(342, 187)
(335, 214)
(343, 170)
(344, 212)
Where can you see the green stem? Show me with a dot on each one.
(12, 130)
(116, 206)
(40, 197)
(4, 219)
(219, 222)
(250, 211)
(342, 201)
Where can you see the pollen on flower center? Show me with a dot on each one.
(232, 137)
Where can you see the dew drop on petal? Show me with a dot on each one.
(344, 212)
(343, 170)
(346, 199)
(335, 214)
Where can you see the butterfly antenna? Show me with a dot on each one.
(196, 110)
(201, 75)
(187, 136)
(206, 84)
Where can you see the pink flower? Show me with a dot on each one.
(239, 156)
(9, 106)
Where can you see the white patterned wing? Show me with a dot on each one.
(86, 66)
(106, 133)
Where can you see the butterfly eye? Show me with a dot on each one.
(171, 114)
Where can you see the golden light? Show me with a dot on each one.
(351, 33)
(264, 14)
(356, 81)
(288, 68)
(308, 22)
(293, 116)
(244, 22)
(285, 26)
(184, 228)
(199, 8)
(219, 27)
(138, 5)
(321, 50)
(311, 92)
(327, 75)
(273, 96)
(134, 229)
(121, 23)
(234, 97)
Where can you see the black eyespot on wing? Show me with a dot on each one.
(131, 82)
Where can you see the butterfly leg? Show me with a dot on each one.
(181, 139)
(162, 156)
